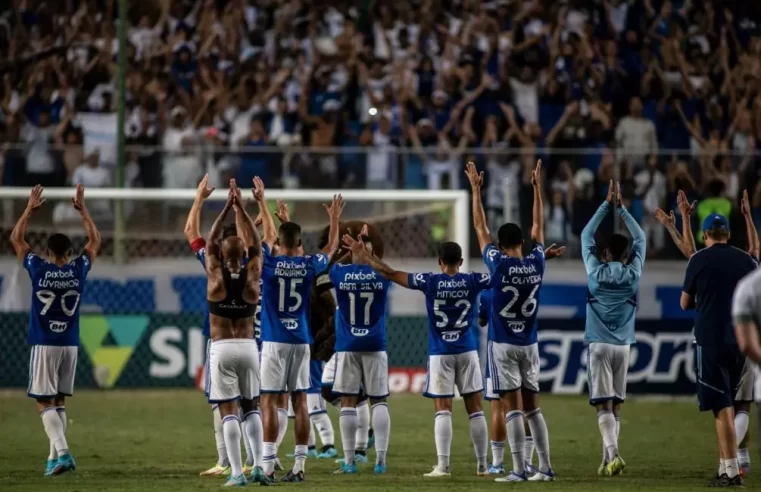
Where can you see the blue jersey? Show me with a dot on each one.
(201, 256)
(56, 292)
(484, 305)
(452, 305)
(362, 297)
(515, 287)
(286, 290)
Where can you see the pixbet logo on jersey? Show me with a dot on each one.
(359, 276)
(663, 358)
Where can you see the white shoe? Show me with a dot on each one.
(436, 473)
(512, 477)
(541, 476)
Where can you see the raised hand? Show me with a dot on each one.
(336, 208)
(35, 199)
(618, 195)
(258, 189)
(236, 191)
(79, 199)
(611, 193)
(536, 174)
(685, 207)
(745, 204)
(282, 212)
(475, 178)
(203, 192)
(554, 251)
(354, 245)
(667, 220)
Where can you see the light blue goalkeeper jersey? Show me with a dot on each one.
(612, 286)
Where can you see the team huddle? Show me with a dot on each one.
(289, 331)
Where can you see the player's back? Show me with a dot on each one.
(612, 303)
(56, 295)
(452, 305)
(712, 275)
(515, 286)
(286, 290)
(362, 298)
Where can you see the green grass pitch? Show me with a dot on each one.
(160, 440)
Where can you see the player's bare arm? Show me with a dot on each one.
(269, 231)
(240, 221)
(193, 224)
(669, 222)
(553, 251)
(335, 209)
(537, 229)
(254, 243)
(93, 235)
(358, 248)
(750, 227)
(18, 235)
(748, 341)
(215, 234)
(476, 180)
(686, 209)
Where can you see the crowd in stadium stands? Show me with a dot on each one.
(659, 93)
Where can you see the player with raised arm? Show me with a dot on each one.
(497, 427)
(513, 353)
(611, 310)
(452, 305)
(198, 245)
(286, 289)
(233, 268)
(361, 358)
(744, 394)
(57, 286)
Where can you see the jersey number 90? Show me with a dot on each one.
(48, 297)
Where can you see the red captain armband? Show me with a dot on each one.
(198, 244)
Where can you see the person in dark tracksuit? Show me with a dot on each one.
(711, 277)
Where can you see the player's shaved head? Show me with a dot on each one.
(450, 254)
(59, 245)
(289, 235)
(233, 248)
(510, 236)
(616, 248)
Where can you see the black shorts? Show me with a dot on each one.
(718, 369)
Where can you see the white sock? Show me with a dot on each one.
(268, 458)
(528, 449)
(311, 441)
(442, 433)
(540, 436)
(516, 437)
(479, 434)
(363, 426)
(300, 458)
(246, 443)
(55, 430)
(497, 453)
(607, 424)
(231, 430)
(722, 467)
(382, 427)
(254, 435)
(741, 425)
(219, 438)
(732, 468)
(325, 428)
(53, 454)
(282, 426)
(743, 456)
(348, 425)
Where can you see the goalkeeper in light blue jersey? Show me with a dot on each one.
(611, 308)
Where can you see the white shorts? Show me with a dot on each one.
(315, 404)
(607, 368)
(357, 370)
(445, 372)
(206, 372)
(234, 370)
(746, 388)
(489, 394)
(285, 367)
(513, 367)
(51, 371)
(329, 372)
